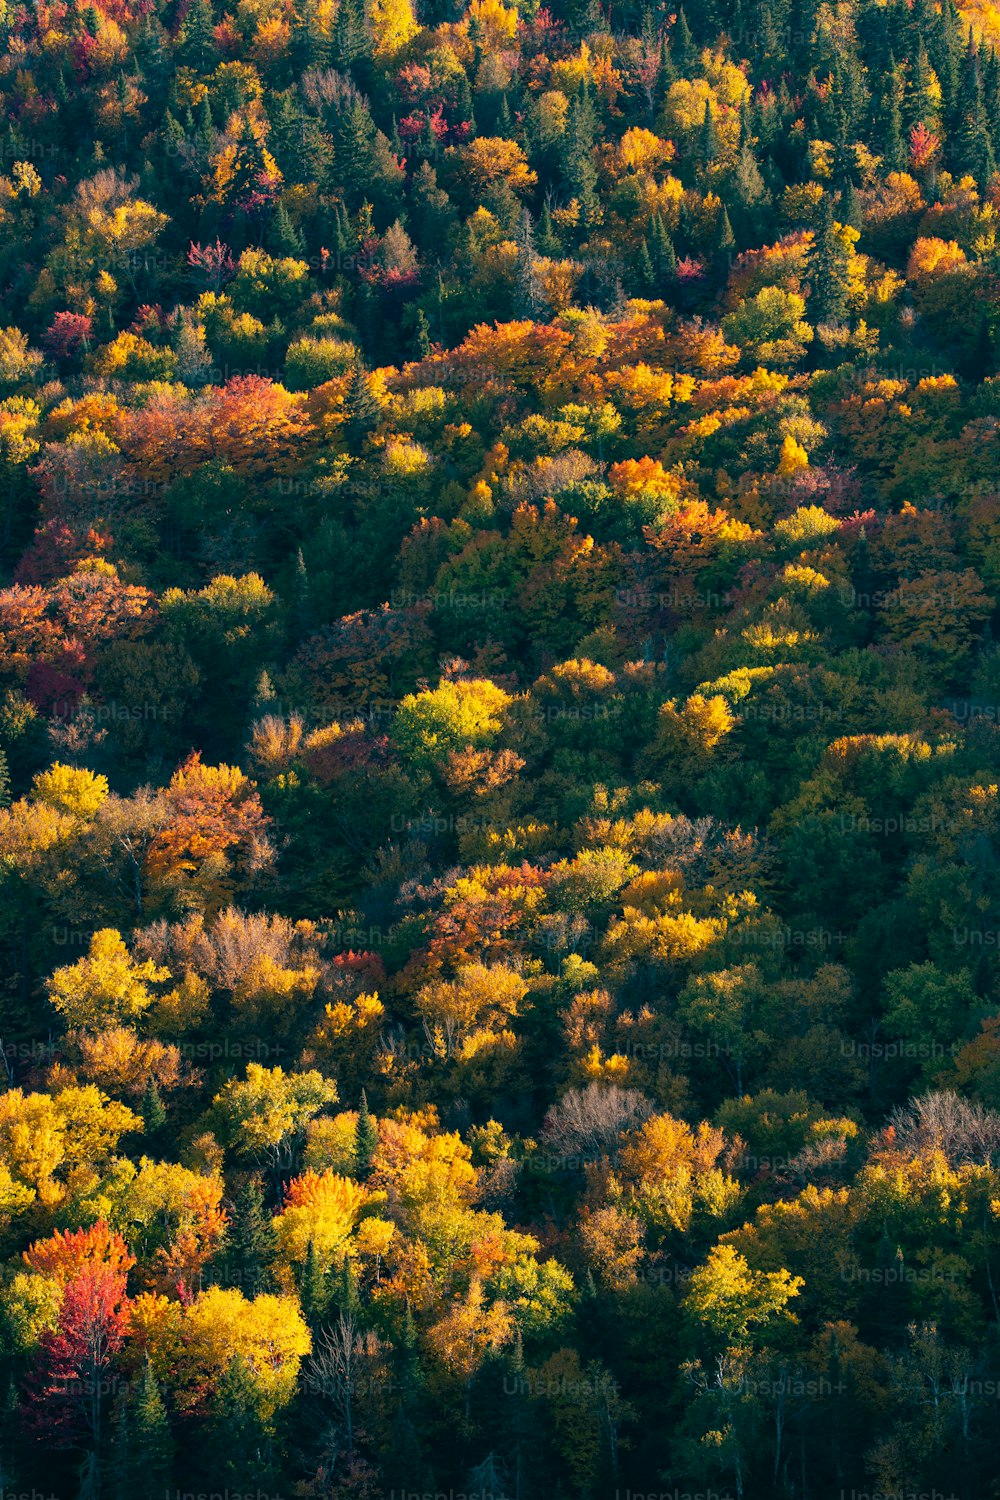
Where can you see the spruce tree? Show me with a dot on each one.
(828, 270)
(310, 45)
(350, 40)
(548, 244)
(682, 48)
(361, 409)
(152, 1446)
(578, 157)
(251, 1240)
(645, 275)
(893, 150)
(314, 1293)
(365, 1139)
(529, 300)
(154, 1116)
(708, 146)
(196, 38)
(238, 1441)
(284, 238)
(422, 334)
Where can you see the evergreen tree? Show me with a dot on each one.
(196, 39)
(682, 48)
(850, 207)
(154, 1116)
(310, 44)
(548, 244)
(152, 1447)
(361, 409)
(645, 275)
(314, 1293)
(251, 1240)
(284, 238)
(666, 74)
(351, 39)
(238, 1440)
(529, 299)
(661, 250)
(893, 149)
(945, 48)
(972, 145)
(919, 106)
(708, 146)
(578, 157)
(828, 270)
(422, 334)
(365, 1139)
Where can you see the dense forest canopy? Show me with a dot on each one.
(499, 751)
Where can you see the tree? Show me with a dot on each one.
(105, 986)
(152, 1453)
(71, 1372)
(366, 1139)
(263, 1115)
(250, 1243)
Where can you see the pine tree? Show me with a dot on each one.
(284, 238)
(946, 56)
(528, 292)
(724, 237)
(708, 147)
(345, 1290)
(666, 74)
(662, 252)
(578, 156)
(850, 207)
(152, 1447)
(682, 46)
(972, 145)
(154, 1116)
(355, 150)
(645, 275)
(893, 150)
(251, 1241)
(238, 1442)
(314, 1293)
(196, 39)
(203, 132)
(310, 45)
(918, 97)
(302, 607)
(828, 262)
(361, 409)
(547, 242)
(365, 1139)
(351, 37)
(422, 334)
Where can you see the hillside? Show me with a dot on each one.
(499, 752)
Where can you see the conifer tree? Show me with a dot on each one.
(365, 1140)
(152, 1447)
(250, 1244)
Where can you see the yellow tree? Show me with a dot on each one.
(106, 986)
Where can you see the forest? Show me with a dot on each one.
(499, 750)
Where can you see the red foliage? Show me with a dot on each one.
(56, 549)
(66, 1254)
(67, 333)
(70, 1376)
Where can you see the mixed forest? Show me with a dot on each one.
(499, 749)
